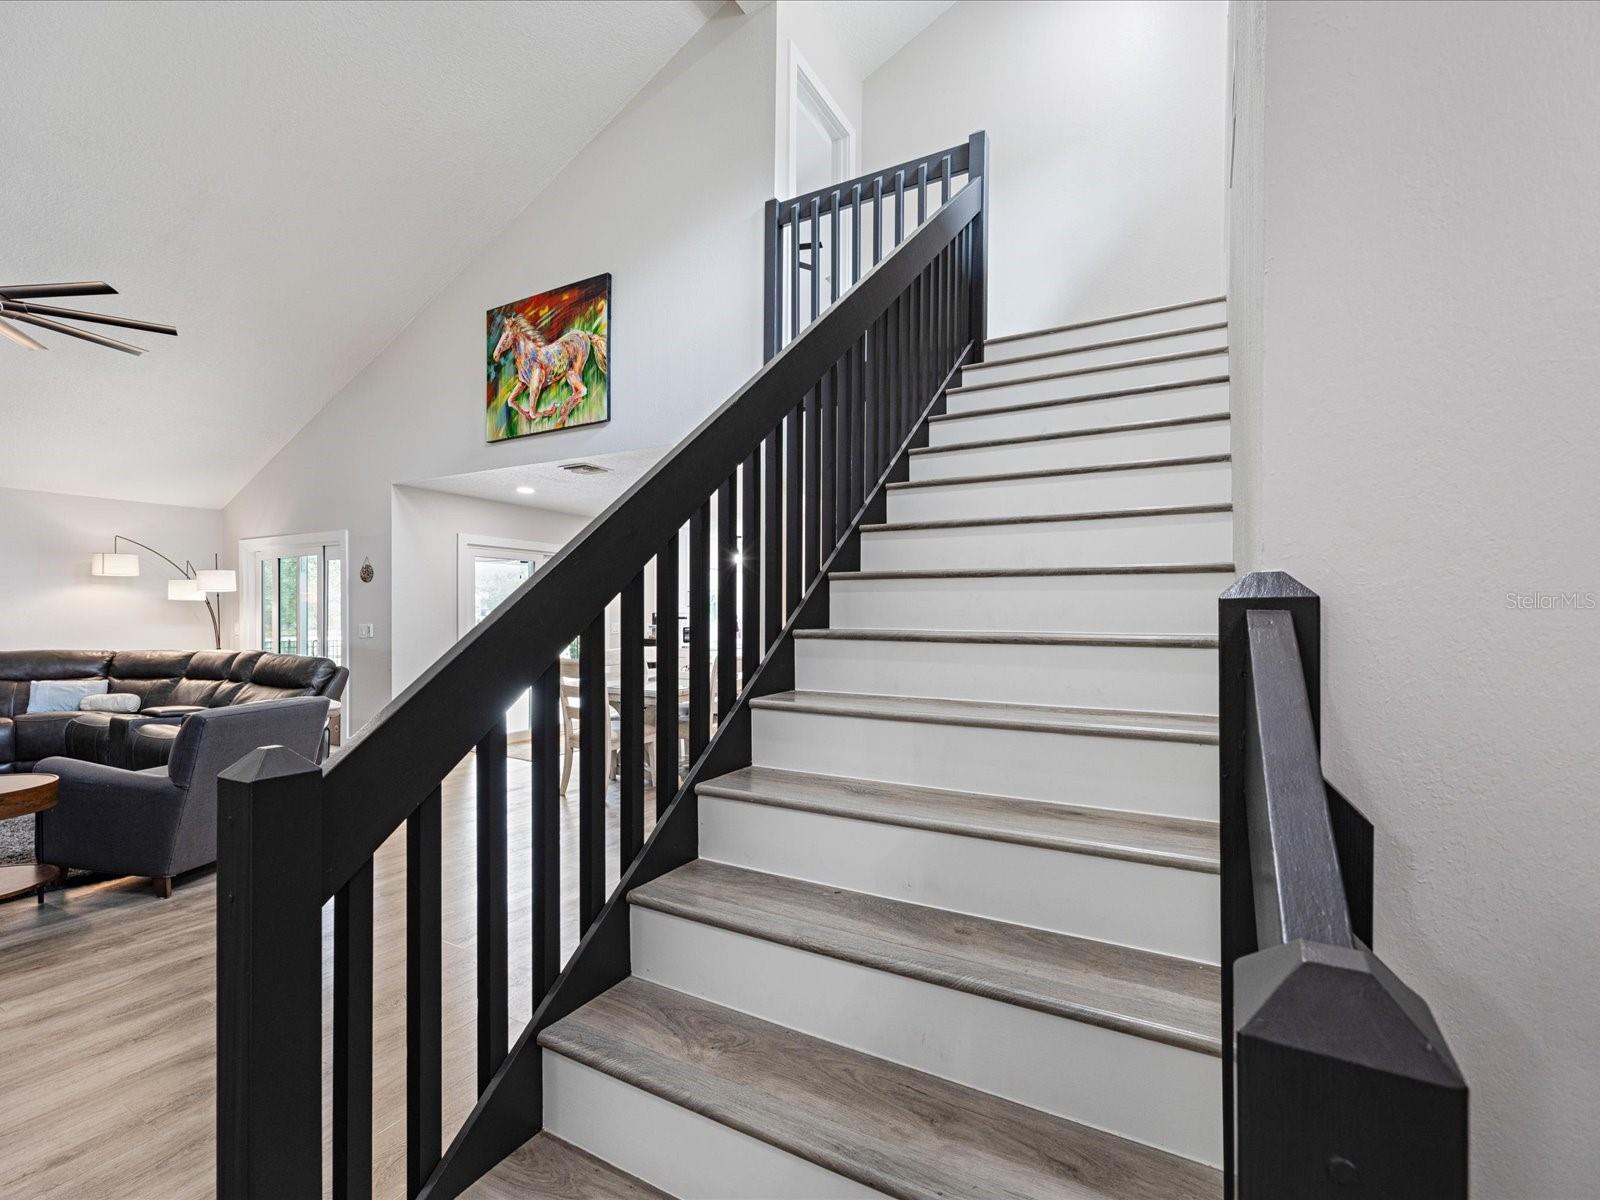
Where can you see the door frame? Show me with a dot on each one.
(466, 546)
(805, 83)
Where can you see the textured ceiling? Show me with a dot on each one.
(286, 183)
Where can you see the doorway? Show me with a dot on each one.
(294, 597)
(488, 571)
(822, 150)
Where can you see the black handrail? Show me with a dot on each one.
(1335, 1075)
(794, 462)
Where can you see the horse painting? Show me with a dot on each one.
(528, 365)
(540, 363)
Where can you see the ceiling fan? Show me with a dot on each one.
(17, 304)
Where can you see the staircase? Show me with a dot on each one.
(1001, 863)
(954, 931)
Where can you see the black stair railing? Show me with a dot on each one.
(1336, 1080)
(771, 488)
(832, 231)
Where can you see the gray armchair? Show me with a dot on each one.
(162, 821)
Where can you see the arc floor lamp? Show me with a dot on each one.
(194, 585)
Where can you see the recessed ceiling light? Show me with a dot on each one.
(524, 490)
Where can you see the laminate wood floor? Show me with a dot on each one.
(108, 1014)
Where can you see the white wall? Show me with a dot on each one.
(1426, 422)
(48, 599)
(427, 526)
(668, 199)
(1106, 120)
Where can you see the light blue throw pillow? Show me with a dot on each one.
(63, 695)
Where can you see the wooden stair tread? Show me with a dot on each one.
(886, 1126)
(1025, 439)
(547, 1168)
(983, 637)
(1109, 344)
(1142, 464)
(1036, 572)
(1136, 992)
(1033, 718)
(1127, 316)
(1146, 389)
(1107, 514)
(1147, 361)
(1135, 837)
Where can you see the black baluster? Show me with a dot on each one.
(666, 674)
(699, 630)
(899, 207)
(813, 469)
(855, 233)
(424, 1061)
(827, 438)
(922, 193)
(855, 427)
(544, 711)
(750, 565)
(816, 257)
(772, 281)
(594, 734)
(944, 180)
(833, 250)
(791, 511)
(844, 402)
(631, 753)
(772, 541)
(727, 598)
(794, 270)
(352, 1037)
(877, 220)
(492, 975)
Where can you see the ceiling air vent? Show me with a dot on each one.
(583, 468)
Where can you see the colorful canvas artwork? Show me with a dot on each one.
(548, 367)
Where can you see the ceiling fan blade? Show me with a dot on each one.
(97, 339)
(16, 335)
(28, 291)
(49, 310)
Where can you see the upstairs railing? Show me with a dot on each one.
(766, 496)
(833, 231)
(1336, 1081)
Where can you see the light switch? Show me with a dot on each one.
(364, 630)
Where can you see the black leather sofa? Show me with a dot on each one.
(170, 685)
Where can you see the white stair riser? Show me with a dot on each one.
(1180, 538)
(1164, 909)
(1098, 449)
(1069, 603)
(1148, 1091)
(1076, 359)
(1099, 380)
(1159, 678)
(1086, 414)
(1177, 779)
(1088, 335)
(1197, 483)
(678, 1151)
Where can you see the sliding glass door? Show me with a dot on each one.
(299, 590)
(489, 571)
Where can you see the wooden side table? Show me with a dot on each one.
(19, 796)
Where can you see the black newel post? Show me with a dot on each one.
(269, 977)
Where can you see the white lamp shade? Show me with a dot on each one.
(114, 564)
(217, 581)
(184, 589)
